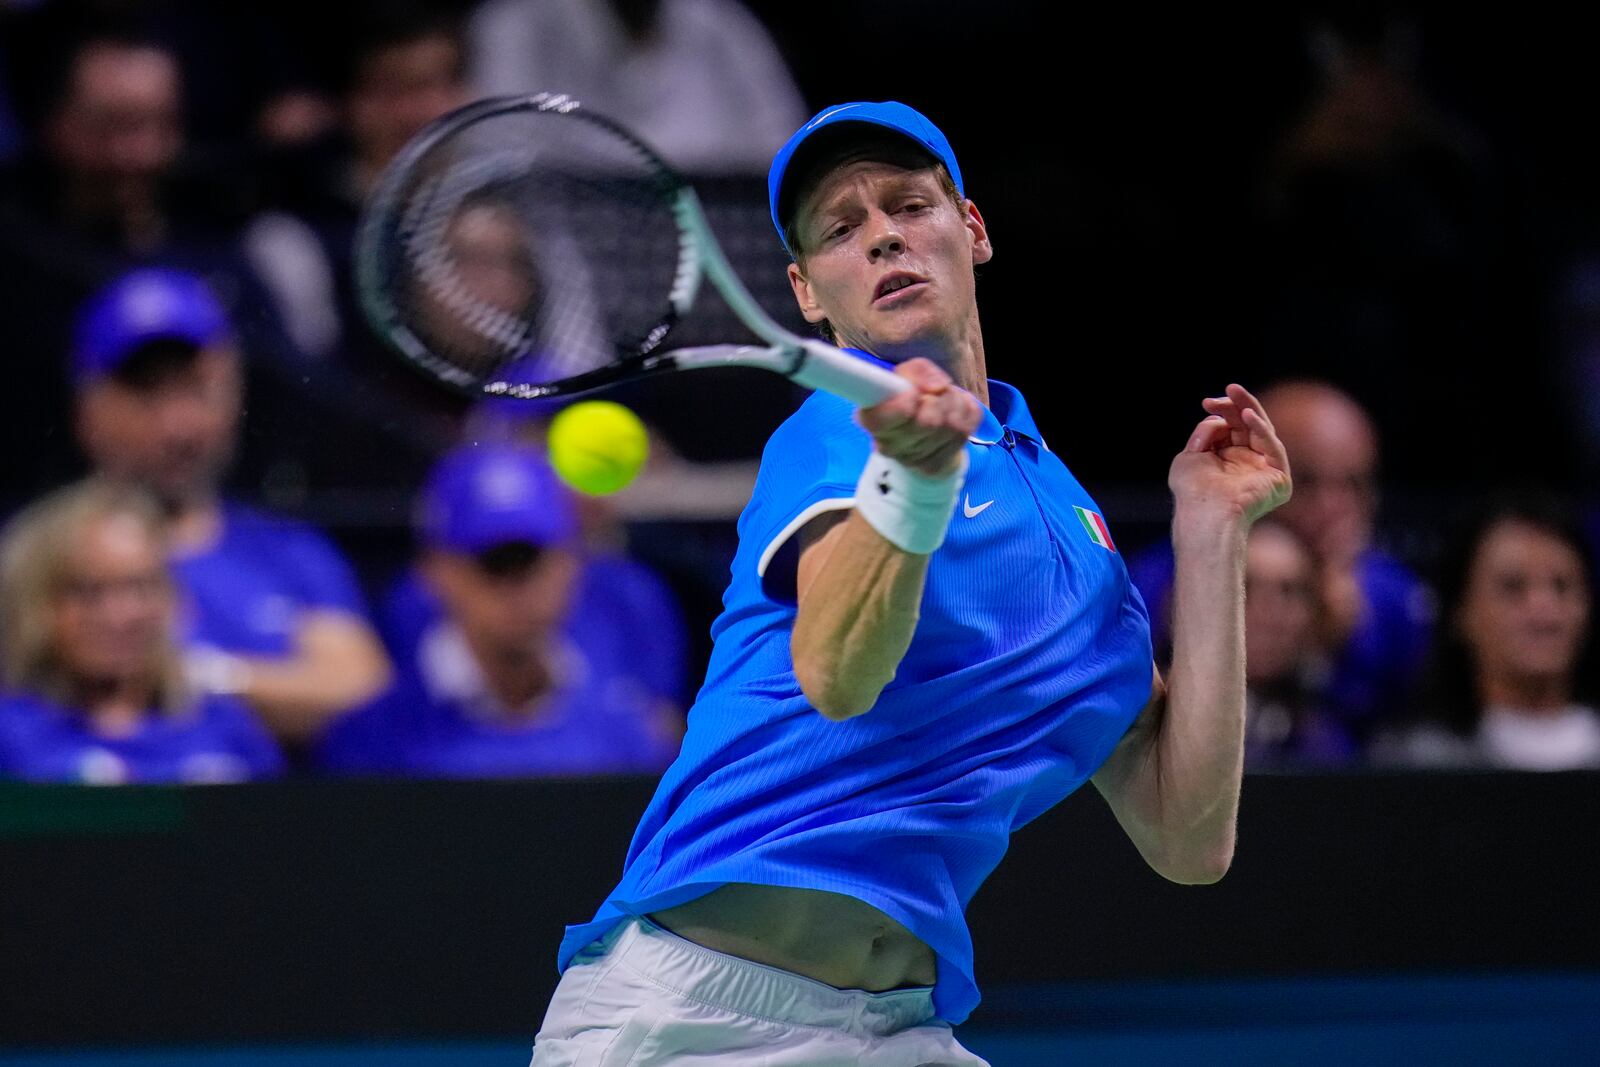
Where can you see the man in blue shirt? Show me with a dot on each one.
(881, 712)
(1376, 617)
(512, 678)
(273, 613)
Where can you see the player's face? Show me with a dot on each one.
(1279, 605)
(173, 435)
(887, 257)
(1526, 609)
(113, 603)
(504, 605)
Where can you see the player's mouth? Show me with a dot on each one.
(897, 286)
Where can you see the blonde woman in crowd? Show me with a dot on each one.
(94, 686)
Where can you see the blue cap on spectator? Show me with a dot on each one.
(153, 304)
(487, 495)
(889, 114)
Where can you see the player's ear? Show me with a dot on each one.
(804, 296)
(982, 250)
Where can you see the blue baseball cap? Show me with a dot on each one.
(480, 496)
(888, 114)
(152, 304)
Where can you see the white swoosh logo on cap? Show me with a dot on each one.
(812, 124)
(973, 512)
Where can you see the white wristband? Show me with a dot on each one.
(910, 509)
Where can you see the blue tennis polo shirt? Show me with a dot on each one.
(1030, 661)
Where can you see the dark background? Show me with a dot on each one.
(348, 910)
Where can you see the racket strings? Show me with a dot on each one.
(529, 247)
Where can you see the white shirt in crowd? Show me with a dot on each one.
(707, 88)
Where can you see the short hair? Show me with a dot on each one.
(33, 556)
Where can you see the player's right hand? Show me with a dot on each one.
(925, 427)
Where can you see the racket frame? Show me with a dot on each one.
(809, 362)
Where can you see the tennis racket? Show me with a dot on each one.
(526, 247)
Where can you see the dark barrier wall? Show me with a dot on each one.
(324, 910)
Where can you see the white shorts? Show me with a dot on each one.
(642, 996)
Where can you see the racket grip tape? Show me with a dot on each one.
(834, 371)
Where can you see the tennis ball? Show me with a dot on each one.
(596, 446)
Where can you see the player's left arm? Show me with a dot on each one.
(1173, 780)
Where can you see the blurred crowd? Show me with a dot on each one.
(180, 185)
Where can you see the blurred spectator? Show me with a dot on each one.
(1376, 615)
(1517, 664)
(403, 66)
(273, 612)
(95, 689)
(516, 677)
(103, 188)
(1285, 724)
(1396, 255)
(622, 605)
(699, 80)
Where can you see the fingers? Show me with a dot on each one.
(1248, 423)
(927, 426)
(925, 374)
(1208, 435)
(1226, 408)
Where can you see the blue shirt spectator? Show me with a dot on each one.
(1365, 681)
(272, 609)
(511, 676)
(247, 590)
(94, 685)
(105, 182)
(216, 740)
(623, 616)
(441, 719)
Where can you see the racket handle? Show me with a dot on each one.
(863, 384)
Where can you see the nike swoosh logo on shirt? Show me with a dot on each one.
(972, 512)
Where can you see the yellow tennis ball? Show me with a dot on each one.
(597, 447)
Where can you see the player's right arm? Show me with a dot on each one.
(858, 593)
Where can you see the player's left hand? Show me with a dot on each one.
(1234, 462)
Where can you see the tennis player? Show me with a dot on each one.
(929, 639)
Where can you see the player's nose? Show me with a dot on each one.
(883, 237)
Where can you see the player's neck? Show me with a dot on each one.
(962, 357)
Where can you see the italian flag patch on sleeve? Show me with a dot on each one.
(1096, 527)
